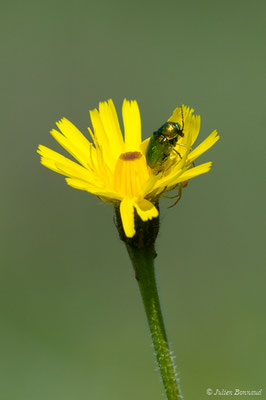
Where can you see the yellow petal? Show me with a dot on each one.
(100, 138)
(144, 145)
(146, 210)
(189, 122)
(132, 125)
(204, 146)
(50, 164)
(150, 184)
(81, 155)
(131, 173)
(76, 171)
(73, 134)
(98, 191)
(127, 216)
(194, 127)
(51, 159)
(191, 173)
(80, 184)
(111, 126)
(182, 115)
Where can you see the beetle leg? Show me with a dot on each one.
(174, 150)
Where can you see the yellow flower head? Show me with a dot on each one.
(115, 168)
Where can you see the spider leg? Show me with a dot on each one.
(178, 196)
(173, 188)
(180, 186)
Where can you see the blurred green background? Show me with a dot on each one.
(72, 325)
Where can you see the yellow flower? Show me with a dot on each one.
(115, 169)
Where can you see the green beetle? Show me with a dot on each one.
(162, 143)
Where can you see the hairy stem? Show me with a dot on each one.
(143, 262)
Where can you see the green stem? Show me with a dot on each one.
(143, 262)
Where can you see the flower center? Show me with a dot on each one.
(131, 172)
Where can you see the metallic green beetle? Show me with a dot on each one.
(162, 143)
